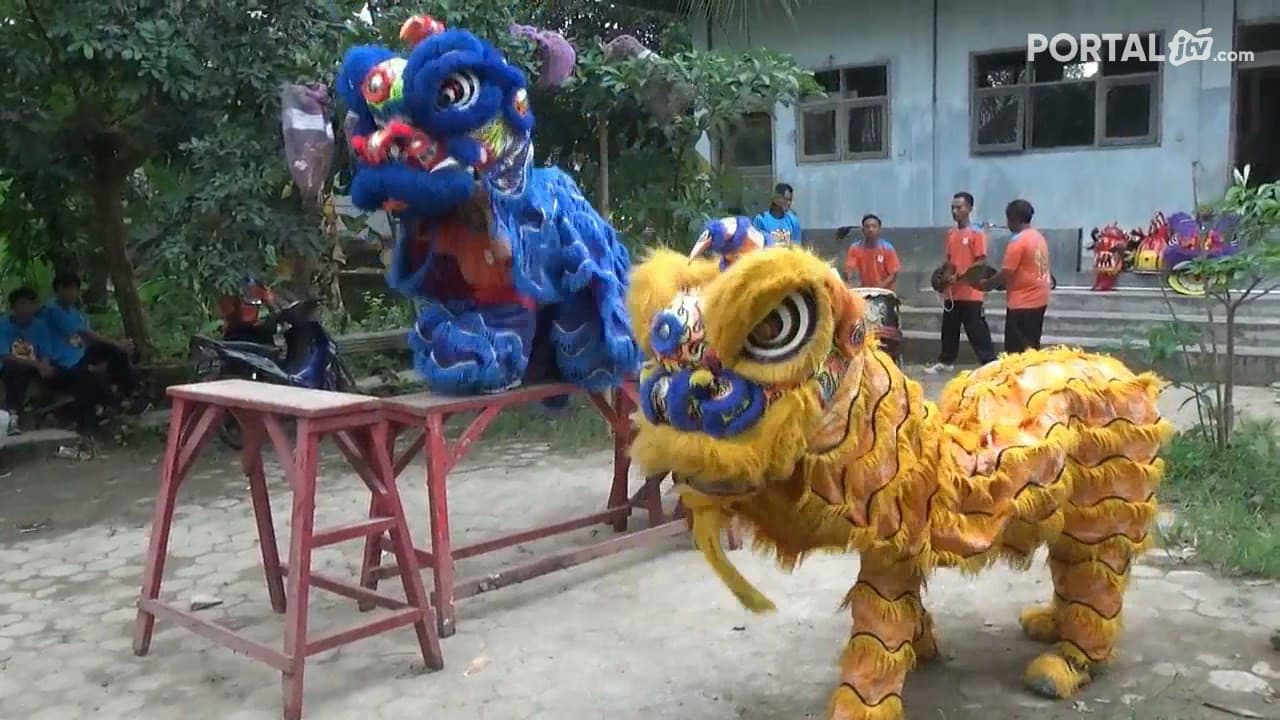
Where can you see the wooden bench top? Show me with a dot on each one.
(279, 399)
(422, 404)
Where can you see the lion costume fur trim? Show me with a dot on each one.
(1024, 451)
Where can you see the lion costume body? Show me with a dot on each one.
(767, 399)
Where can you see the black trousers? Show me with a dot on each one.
(1022, 329)
(87, 392)
(118, 365)
(17, 380)
(969, 315)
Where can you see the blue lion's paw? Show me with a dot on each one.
(475, 351)
(625, 353)
(588, 353)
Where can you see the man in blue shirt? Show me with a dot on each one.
(77, 349)
(779, 223)
(24, 349)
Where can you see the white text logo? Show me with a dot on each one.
(1184, 47)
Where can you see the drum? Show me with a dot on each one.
(882, 318)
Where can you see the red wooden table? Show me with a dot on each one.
(427, 413)
(355, 423)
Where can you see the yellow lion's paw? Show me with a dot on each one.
(846, 705)
(1040, 623)
(926, 646)
(1051, 676)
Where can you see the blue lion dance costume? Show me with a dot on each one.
(519, 277)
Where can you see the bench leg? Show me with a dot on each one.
(618, 490)
(438, 462)
(251, 460)
(371, 557)
(735, 537)
(384, 441)
(301, 530)
(414, 592)
(161, 524)
(653, 499)
(620, 425)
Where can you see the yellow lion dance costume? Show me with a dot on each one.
(766, 398)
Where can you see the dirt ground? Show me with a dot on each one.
(647, 634)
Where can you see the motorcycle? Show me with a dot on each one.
(301, 354)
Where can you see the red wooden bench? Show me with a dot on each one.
(426, 414)
(355, 423)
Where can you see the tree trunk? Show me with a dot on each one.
(108, 184)
(61, 241)
(602, 126)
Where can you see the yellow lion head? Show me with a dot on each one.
(745, 366)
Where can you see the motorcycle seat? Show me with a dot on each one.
(242, 346)
(250, 347)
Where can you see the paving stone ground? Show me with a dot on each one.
(648, 634)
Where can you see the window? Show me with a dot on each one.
(1022, 105)
(750, 144)
(852, 121)
(1260, 38)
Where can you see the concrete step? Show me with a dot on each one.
(1254, 365)
(1250, 330)
(32, 444)
(1125, 301)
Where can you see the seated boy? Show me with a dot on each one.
(24, 350)
(78, 350)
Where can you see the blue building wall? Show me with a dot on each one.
(930, 155)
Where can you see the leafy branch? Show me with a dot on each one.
(1230, 283)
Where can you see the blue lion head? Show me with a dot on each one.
(433, 128)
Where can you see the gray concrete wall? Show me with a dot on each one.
(930, 157)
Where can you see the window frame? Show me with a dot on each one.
(1023, 94)
(841, 105)
(1026, 113)
(1153, 112)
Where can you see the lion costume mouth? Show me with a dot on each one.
(507, 156)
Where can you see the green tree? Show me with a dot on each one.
(667, 104)
(1230, 282)
(99, 90)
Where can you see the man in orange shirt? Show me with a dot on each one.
(872, 258)
(965, 247)
(1025, 274)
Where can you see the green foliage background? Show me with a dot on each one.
(155, 123)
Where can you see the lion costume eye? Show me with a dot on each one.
(377, 87)
(784, 331)
(458, 91)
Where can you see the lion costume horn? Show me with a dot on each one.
(555, 52)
